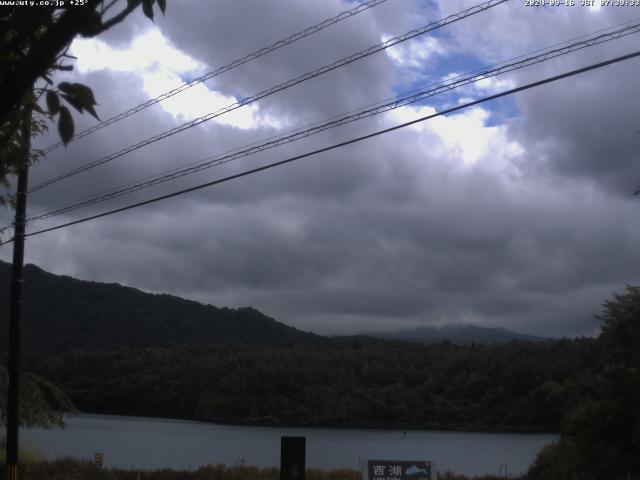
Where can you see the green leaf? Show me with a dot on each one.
(79, 91)
(65, 125)
(37, 108)
(91, 110)
(163, 5)
(86, 93)
(74, 101)
(66, 87)
(79, 96)
(147, 8)
(53, 102)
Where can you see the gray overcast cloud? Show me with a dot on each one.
(517, 213)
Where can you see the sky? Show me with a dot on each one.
(516, 213)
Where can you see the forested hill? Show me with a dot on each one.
(63, 314)
(118, 350)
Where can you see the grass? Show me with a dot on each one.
(74, 469)
(26, 455)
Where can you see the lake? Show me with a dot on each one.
(146, 443)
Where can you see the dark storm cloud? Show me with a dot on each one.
(479, 252)
(531, 232)
(216, 41)
(589, 129)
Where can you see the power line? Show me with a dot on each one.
(341, 144)
(265, 93)
(230, 66)
(338, 121)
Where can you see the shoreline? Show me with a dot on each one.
(434, 429)
(148, 442)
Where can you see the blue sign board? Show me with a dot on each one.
(399, 470)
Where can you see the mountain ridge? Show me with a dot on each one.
(63, 314)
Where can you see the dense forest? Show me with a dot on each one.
(115, 349)
(364, 383)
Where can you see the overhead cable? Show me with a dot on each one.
(265, 93)
(341, 144)
(443, 87)
(219, 71)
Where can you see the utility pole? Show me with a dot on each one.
(15, 312)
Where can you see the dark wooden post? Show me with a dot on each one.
(15, 310)
(292, 458)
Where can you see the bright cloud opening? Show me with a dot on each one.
(415, 53)
(162, 67)
(465, 136)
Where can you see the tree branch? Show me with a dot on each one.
(42, 53)
(107, 7)
(131, 6)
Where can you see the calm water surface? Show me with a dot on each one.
(131, 442)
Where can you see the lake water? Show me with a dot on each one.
(131, 442)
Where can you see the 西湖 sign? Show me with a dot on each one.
(399, 470)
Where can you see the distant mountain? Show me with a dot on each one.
(460, 334)
(63, 314)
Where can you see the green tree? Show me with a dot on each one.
(42, 404)
(601, 438)
(556, 461)
(607, 430)
(34, 43)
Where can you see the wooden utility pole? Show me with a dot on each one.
(15, 312)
